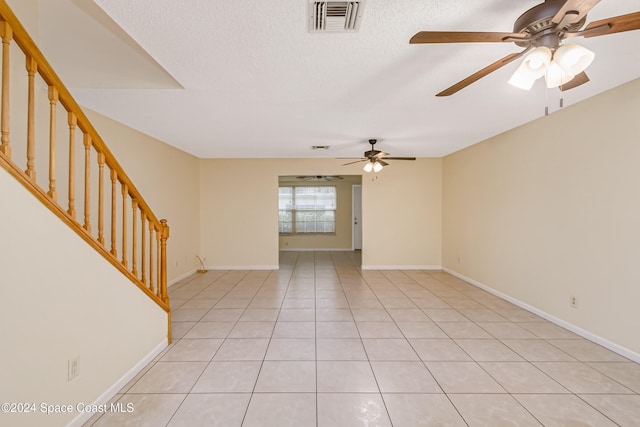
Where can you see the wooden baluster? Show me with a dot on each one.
(158, 262)
(101, 198)
(163, 261)
(53, 101)
(134, 222)
(114, 177)
(151, 228)
(7, 35)
(125, 192)
(73, 122)
(87, 182)
(143, 261)
(32, 68)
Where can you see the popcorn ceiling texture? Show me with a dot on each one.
(251, 81)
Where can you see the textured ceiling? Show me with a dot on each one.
(245, 78)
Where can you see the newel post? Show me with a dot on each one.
(163, 260)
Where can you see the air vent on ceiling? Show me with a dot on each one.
(335, 16)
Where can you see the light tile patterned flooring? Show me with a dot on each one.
(322, 343)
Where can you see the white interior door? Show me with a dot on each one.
(356, 203)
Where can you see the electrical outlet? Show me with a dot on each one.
(73, 368)
(573, 301)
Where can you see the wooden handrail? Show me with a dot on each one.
(94, 148)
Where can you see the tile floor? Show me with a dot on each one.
(322, 343)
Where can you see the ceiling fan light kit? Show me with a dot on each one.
(541, 28)
(373, 166)
(558, 68)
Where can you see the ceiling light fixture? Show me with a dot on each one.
(573, 59)
(558, 67)
(532, 68)
(373, 165)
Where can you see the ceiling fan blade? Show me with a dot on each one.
(357, 161)
(578, 80)
(480, 74)
(464, 37)
(573, 11)
(617, 24)
(380, 154)
(399, 158)
(382, 162)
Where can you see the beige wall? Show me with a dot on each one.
(342, 239)
(168, 179)
(551, 210)
(63, 300)
(239, 211)
(402, 211)
(27, 12)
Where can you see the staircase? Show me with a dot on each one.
(49, 146)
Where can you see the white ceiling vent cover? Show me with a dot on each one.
(335, 16)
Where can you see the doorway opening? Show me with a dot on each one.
(320, 212)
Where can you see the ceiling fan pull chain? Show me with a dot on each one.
(546, 102)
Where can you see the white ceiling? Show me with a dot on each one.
(245, 78)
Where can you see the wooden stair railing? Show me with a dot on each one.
(131, 228)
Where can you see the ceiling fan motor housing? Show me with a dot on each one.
(373, 151)
(538, 22)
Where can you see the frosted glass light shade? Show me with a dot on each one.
(532, 68)
(573, 59)
(368, 167)
(377, 167)
(556, 76)
(537, 60)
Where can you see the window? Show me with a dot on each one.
(307, 210)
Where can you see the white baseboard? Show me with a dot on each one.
(179, 278)
(288, 249)
(623, 351)
(242, 267)
(115, 388)
(401, 267)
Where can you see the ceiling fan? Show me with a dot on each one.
(319, 177)
(541, 30)
(376, 159)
